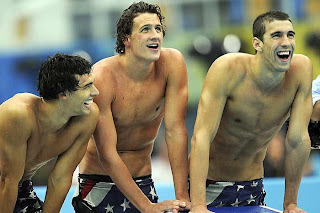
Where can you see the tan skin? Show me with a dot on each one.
(252, 96)
(137, 90)
(34, 131)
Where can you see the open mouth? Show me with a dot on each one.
(284, 55)
(153, 46)
(87, 103)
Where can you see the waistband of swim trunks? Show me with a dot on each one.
(238, 182)
(107, 178)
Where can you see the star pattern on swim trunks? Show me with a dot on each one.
(251, 199)
(109, 208)
(220, 204)
(236, 203)
(125, 204)
(152, 192)
(240, 187)
(254, 184)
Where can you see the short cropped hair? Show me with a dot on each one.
(259, 29)
(57, 75)
(125, 22)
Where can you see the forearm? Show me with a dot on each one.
(8, 196)
(178, 156)
(57, 191)
(121, 176)
(199, 164)
(294, 164)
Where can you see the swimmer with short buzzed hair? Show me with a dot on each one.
(35, 130)
(244, 103)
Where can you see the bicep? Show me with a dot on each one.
(105, 136)
(13, 148)
(301, 107)
(211, 105)
(176, 95)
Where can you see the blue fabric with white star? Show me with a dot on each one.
(113, 201)
(233, 194)
(27, 200)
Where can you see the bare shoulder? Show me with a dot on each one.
(171, 60)
(230, 68)
(104, 68)
(233, 62)
(167, 53)
(19, 110)
(104, 72)
(301, 62)
(170, 57)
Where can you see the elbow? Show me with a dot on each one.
(298, 142)
(60, 181)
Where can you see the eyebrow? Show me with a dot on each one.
(150, 25)
(281, 32)
(88, 84)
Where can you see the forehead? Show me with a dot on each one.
(85, 79)
(278, 25)
(144, 19)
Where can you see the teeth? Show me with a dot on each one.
(284, 53)
(152, 45)
(88, 102)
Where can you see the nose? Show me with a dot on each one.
(94, 91)
(285, 41)
(155, 34)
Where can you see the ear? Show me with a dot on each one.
(126, 41)
(257, 44)
(62, 96)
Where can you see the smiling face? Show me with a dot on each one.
(278, 45)
(146, 38)
(81, 99)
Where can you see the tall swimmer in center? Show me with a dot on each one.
(139, 87)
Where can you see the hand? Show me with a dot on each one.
(186, 207)
(293, 208)
(167, 205)
(200, 209)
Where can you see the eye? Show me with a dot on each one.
(291, 35)
(159, 29)
(276, 35)
(145, 29)
(87, 86)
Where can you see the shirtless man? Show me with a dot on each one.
(138, 88)
(244, 103)
(34, 130)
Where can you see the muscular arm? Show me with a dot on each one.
(176, 133)
(14, 134)
(297, 141)
(212, 102)
(60, 178)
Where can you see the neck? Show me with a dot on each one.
(265, 79)
(52, 115)
(136, 69)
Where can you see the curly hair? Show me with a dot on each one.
(125, 22)
(259, 28)
(58, 75)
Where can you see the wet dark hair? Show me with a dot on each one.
(259, 29)
(58, 75)
(125, 22)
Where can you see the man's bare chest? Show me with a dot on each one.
(43, 147)
(253, 108)
(139, 104)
